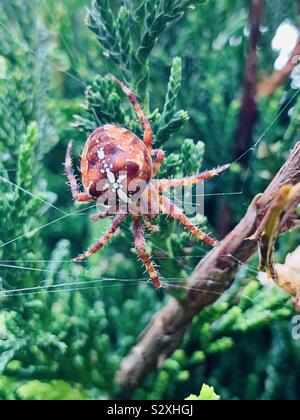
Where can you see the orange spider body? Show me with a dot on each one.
(116, 164)
(112, 159)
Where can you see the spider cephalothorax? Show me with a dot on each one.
(119, 169)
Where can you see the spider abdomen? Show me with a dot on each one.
(115, 162)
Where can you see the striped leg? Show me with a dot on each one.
(77, 195)
(150, 226)
(159, 158)
(101, 216)
(165, 184)
(148, 135)
(140, 244)
(111, 211)
(105, 238)
(172, 210)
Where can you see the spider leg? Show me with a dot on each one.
(164, 184)
(159, 158)
(167, 207)
(77, 195)
(148, 135)
(140, 244)
(150, 226)
(108, 213)
(101, 216)
(103, 240)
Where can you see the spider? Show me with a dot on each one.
(112, 159)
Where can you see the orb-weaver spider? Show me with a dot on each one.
(112, 151)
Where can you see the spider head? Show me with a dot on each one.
(116, 165)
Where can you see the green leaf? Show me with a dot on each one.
(192, 156)
(207, 393)
(26, 157)
(8, 351)
(179, 119)
(54, 390)
(124, 37)
(172, 91)
(102, 22)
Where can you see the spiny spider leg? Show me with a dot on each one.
(164, 184)
(104, 239)
(77, 195)
(172, 210)
(148, 135)
(159, 158)
(109, 212)
(101, 216)
(150, 226)
(140, 244)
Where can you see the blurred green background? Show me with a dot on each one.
(65, 328)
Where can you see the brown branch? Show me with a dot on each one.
(249, 111)
(212, 276)
(269, 85)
